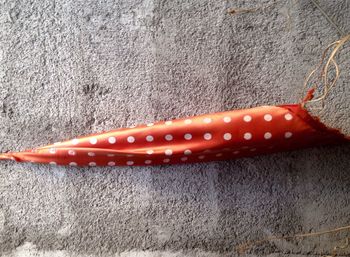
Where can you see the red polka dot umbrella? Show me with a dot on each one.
(209, 137)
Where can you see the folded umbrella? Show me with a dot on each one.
(209, 137)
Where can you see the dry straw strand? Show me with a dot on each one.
(325, 68)
(235, 11)
(242, 248)
(329, 19)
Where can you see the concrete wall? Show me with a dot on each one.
(74, 67)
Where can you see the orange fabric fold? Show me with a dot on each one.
(209, 137)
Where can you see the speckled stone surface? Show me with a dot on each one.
(69, 68)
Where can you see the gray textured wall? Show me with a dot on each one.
(74, 67)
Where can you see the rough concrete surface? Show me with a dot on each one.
(75, 67)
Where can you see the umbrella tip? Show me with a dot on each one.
(7, 156)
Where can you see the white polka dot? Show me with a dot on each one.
(168, 137)
(253, 149)
(201, 157)
(227, 119)
(245, 147)
(184, 159)
(93, 141)
(188, 121)
(247, 136)
(207, 151)
(91, 154)
(129, 155)
(207, 120)
(71, 152)
(247, 118)
(111, 163)
(288, 116)
(148, 161)
(236, 152)
(129, 163)
(268, 117)
(92, 163)
(187, 152)
(267, 135)
(130, 139)
(227, 136)
(150, 151)
(166, 160)
(53, 163)
(149, 138)
(188, 136)
(75, 141)
(168, 152)
(150, 124)
(112, 140)
(109, 155)
(218, 155)
(73, 164)
(288, 134)
(52, 150)
(168, 123)
(207, 136)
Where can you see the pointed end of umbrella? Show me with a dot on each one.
(7, 156)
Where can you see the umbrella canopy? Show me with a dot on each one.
(209, 137)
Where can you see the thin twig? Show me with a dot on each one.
(244, 247)
(240, 11)
(235, 11)
(329, 19)
(325, 70)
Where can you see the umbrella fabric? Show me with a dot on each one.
(209, 137)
